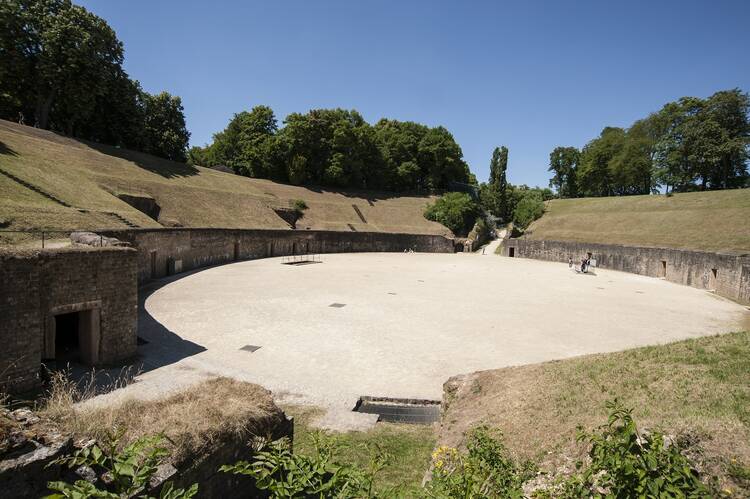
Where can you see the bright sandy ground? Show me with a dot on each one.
(410, 321)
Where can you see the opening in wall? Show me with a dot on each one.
(663, 269)
(74, 337)
(712, 279)
(236, 251)
(512, 252)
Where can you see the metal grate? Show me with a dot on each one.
(337, 305)
(393, 410)
(250, 348)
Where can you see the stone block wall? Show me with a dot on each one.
(36, 285)
(195, 248)
(21, 323)
(726, 274)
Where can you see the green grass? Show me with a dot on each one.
(89, 176)
(699, 387)
(709, 221)
(410, 448)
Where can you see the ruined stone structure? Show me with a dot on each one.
(726, 274)
(163, 252)
(77, 304)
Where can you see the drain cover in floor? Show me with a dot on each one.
(400, 410)
(337, 305)
(250, 348)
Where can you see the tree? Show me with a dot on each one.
(61, 69)
(61, 57)
(165, 133)
(563, 161)
(594, 172)
(456, 210)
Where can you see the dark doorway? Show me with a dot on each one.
(663, 269)
(236, 251)
(511, 252)
(67, 342)
(712, 279)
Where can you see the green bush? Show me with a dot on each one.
(128, 471)
(455, 210)
(529, 208)
(299, 204)
(485, 470)
(626, 462)
(286, 474)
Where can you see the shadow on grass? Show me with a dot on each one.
(153, 164)
(4, 149)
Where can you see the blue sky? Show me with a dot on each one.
(529, 75)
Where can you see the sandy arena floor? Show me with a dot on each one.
(399, 325)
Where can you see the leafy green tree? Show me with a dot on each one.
(456, 210)
(61, 69)
(563, 161)
(594, 172)
(494, 195)
(56, 59)
(529, 207)
(165, 133)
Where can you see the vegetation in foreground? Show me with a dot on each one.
(536, 431)
(694, 391)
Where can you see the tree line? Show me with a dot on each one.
(61, 70)
(496, 202)
(690, 144)
(337, 148)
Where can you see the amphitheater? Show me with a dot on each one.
(361, 297)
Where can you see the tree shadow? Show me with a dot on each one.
(4, 149)
(369, 196)
(160, 166)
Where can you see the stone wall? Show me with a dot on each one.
(163, 252)
(726, 274)
(37, 285)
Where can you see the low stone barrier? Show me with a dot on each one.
(726, 274)
(163, 252)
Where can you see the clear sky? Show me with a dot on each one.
(529, 75)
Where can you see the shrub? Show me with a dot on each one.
(286, 474)
(299, 205)
(128, 471)
(626, 462)
(485, 470)
(529, 208)
(455, 210)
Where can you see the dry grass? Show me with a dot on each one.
(700, 387)
(89, 176)
(709, 221)
(191, 420)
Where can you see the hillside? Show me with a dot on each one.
(710, 221)
(53, 182)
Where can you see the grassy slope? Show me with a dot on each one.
(712, 221)
(700, 385)
(87, 175)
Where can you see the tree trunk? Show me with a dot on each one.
(43, 106)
